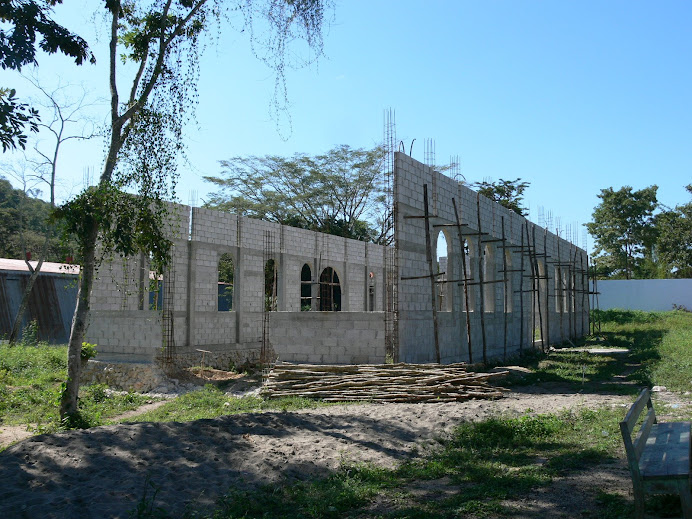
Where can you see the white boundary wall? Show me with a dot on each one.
(644, 294)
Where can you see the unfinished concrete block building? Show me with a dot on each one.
(248, 290)
(508, 284)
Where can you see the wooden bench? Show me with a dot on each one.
(658, 456)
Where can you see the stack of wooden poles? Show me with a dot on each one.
(380, 382)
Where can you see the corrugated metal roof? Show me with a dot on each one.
(47, 267)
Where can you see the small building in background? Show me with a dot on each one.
(52, 301)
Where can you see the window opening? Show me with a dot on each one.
(305, 288)
(442, 295)
(330, 291)
(488, 278)
(270, 286)
(155, 292)
(225, 283)
(371, 292)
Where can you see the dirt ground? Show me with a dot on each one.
(104, 472)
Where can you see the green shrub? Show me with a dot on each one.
(88, 351)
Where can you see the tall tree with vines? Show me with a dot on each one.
(160, 41)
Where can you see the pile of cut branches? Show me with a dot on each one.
(380, 382)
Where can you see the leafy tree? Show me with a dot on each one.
(14, 116)
(623, 229)
(161, 40)
(508, 193)
(674, 244)
(29, 19)
(340, 192)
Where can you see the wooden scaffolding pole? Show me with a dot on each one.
(481, 277)
(521, 295)
(464, 276)
(559, 296)
(545, 343)
(433, 285)
(505, 278)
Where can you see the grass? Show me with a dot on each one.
(475, 473)
(30, 379)
(659, 354)
(211, 402)
(486, 466)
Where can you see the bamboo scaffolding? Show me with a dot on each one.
(506, 293)
(481, 278)
(433, 286)
(560, 295)
(465, 281)
(521, 297)
(545, 343)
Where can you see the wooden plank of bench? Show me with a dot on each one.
(632, 415)
(667, 453)
(644, 432)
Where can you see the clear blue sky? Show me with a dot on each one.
(570, 96)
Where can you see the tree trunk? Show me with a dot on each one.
(68, 399)
(16, 326)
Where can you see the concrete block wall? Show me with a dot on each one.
(125, 328)
(131, 335)
(416, 336)
(328, 338)
(123, 325)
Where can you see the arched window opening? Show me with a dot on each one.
(225, 283)
(270, 286)
(488, 278)
(442, 262)
(509, 295)
(305, 288)
(330, 291)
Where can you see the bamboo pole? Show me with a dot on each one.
(433, 286)
(481, 278)
(521, 295)
(464, 276)
(505, 278)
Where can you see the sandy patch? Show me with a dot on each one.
(102, 472)
(10, 434)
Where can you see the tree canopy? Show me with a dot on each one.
(674, 244)
(623, 229)
(508, 193)
(27, 20)
(339, 192)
